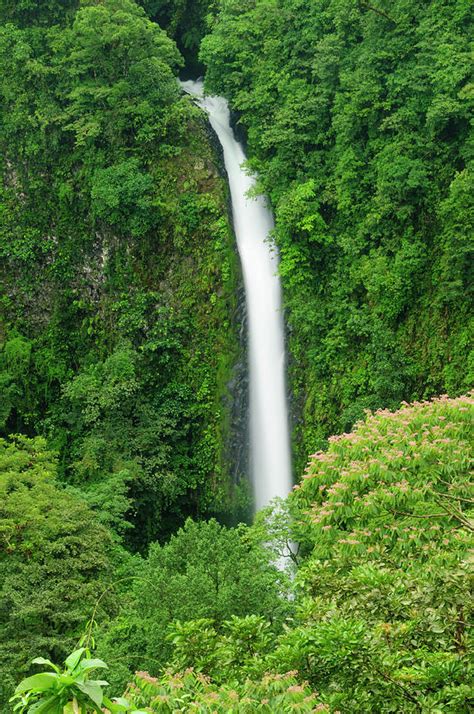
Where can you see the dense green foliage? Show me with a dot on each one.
(31, 12)
(359, 122)
(382, 608)
(117, 268)
(186, 21)
(380, 616)
(206, 571)
(55, 561)
(385, 520)
(118, 290)
(194, 692)
(71, 691)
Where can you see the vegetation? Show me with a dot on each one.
(274, 693)
(187, 22)
(382, 610)
(384, 518)
(172, 692)
(117, 333)
(118, 340)
(69, 691)
(379, 620)
(55, 561)
(223, 577)
(358, 118)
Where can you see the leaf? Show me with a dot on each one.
(93, 691)
(42, 660)
(66, 679)
(116, 706)
(87, 664)
(38, 682)
(74, 658)
(47, 706)
(72, 707)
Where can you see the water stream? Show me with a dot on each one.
(269, 434)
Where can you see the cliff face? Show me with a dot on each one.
(119, 276)
(357, 117)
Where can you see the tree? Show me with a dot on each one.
(384, 519)
(55, 560)
(122, 197)
(272, 693)
(204, 571)
(37, 12)
(120, 71)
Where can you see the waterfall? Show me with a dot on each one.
(269, 434)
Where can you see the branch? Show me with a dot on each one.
(455, 498)
(454, 514)
(293, 554)
(450, 485)
(457, 515)
(416, 515)
(406, 692)
(377, 10)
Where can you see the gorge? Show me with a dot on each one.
(165, 301)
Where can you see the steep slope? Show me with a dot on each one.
(118, 275)
(358, 118)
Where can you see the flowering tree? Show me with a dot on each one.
(194, 692)
(385, 518)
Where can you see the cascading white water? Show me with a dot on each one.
(269, 435)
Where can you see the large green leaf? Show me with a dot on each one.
(74, 658)
(72, 707)
(66, 680)
(42, 660)
(87, 664)
(122, 702)
(52, 705)
(93, 691)
(37, 682)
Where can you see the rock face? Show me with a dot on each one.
(238, 403)
(171, 295)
